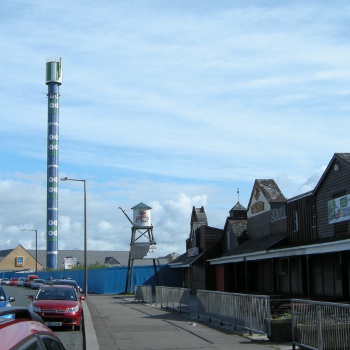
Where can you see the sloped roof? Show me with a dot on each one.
(269, 189)
(299, 196)
(93, 256)
(4, 253)
(184, 261)
(341, 158)
(258, 244)
(199, 215)
(344, 156)
(141, 206)
(238, 206)
(237, 226)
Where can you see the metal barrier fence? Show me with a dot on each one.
(320, 325)
(143, 294)
(251, 312)
(173, 298)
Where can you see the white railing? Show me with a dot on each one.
(251, 312)
(320, 325)
(173, 298)
(143, 294)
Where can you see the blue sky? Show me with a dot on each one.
(172, 103)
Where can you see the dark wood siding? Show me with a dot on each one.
(305, 208)
(263, 277)
(335, 183)
(220, 277)
(296, 278)
(316, 270)
(259, 225)
(326, 276)
(279, 226)
(282, 276)
(210, 241)
(198, 278)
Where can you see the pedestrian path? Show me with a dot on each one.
(121, 323)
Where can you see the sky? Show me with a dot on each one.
(176, 104)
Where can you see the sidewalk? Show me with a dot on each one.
(118, 322)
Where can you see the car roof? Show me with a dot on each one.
(23, 326)
(46, 286)
(64, 280)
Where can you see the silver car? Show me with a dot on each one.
(5, 281)
(37, 283)
(21, 282)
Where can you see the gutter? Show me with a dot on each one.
(329, 247)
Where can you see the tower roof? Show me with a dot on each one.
(141, 206)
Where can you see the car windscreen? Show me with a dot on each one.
(56, 294)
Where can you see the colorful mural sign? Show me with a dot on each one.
(339, 209)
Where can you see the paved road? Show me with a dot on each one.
(122, 323)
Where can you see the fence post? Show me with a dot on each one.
(208, 307)
(250, 316)
(319, 328)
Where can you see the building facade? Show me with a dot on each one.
(296, 247)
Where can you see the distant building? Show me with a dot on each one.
(21, 259)
(18, 259)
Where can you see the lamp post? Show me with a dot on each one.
(36, 248)
(85, 240)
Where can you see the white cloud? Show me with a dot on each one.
(175, 104)
(312, 181)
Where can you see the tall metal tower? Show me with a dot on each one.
(53, 81)
(141, 240)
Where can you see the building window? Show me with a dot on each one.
(295, 221)
(228, 240)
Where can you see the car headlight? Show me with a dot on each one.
(34, 308)
(73, 309)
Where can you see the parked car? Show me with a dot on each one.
(26, 331)
(58, 305)
(13, 281)
(5, 281)
(68, 282)
(21, 282)
(37, 283)
(30, 280)
(5, 301)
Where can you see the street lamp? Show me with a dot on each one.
(36, 248)
(85, 241)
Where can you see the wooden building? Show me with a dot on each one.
(204, 243)
(297, 247)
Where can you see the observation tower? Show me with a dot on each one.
(53, 81)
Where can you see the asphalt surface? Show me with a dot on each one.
(119, 322)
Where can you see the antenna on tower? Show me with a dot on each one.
(127, 216)
(238, 194)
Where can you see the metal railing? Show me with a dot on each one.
(320, 325)
(251, 312)
(173, 298)
(143, 294)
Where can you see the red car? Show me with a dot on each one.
(26, 331)
(13, 281)
(58, 306)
